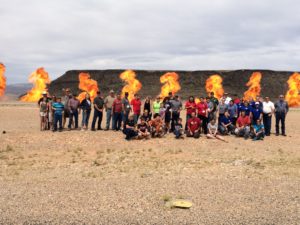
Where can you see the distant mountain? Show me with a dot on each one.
(17, 89)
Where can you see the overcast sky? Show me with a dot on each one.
(61, 35)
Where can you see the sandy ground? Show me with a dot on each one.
(99, 178)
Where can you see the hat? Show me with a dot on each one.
(111, 91)
(256, 103)
(44, 92)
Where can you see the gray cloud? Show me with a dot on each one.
(171, 34)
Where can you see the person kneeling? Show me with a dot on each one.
(193, 126)
(226, 126)
(143, 129)
(156, 126)
(178, 129)
(243, 125)
(213, 131)
(258, 131)
(129, 129)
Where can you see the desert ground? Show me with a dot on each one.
(77, 177)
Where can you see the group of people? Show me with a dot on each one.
(212, 117)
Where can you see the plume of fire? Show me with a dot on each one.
(2, 80)
(214, 84)
(293, 94)
(133, 85)
(254, 86)
(40, 79)
(87, 85)
(171, 84)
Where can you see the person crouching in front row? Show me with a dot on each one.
(157, 126)
(129, 129)
(143, 129)
(193, 126)
(258, 131)
(178, 129)
(243, 125)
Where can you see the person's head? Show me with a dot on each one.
(67, 91)
(212, 94)
(193, 114)
(179, 121)
(157, 117)
(87, 96)
(119, 96)
(161, 105)
(212, 122)
(231, 102)
(207, 98)
(146, 112)
(243, 113)
(246, 103)
(258, 122)
(74, 96)
(98, 93)
(281, 97)
(136, 96)
(157, 99)
(170, 94)
(44, 94)
(147, 99)
(58, 99)
(222, 101)
(225, 95)
(257, 98)
(131, 117)
(176, 97)
(256, 104)
(227, 114)
(267, 99)
(201, 99)
(142, 120)
(53, 98)
(112, 93)
(250, 99)
(191, 99)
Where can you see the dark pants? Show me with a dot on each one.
(97, 115)
(280, 117)
(136, 118)
(204, 123)
(194, 135)
(57, 118)
(178, 133)
(259, 136)
(73, 114)
(117, 120)
(267, 123)
(108, 118)
(175, 117)
(130, 133)
(188, 116)
(85, 117)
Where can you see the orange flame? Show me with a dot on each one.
(293, 94)
(133, 85)
(88, 85)
(40, 79)
(214, 84)
(171, 84)
(254, 86)
(2, 79)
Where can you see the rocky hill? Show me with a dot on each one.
(273, 83)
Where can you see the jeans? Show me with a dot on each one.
(243, 132)
(136, 118)
(125, 116)
(259, 136)
(117, 120)
(108, 118)
(97, 115)
(267, 123)
(74, 114)
(175, 117)
(85, 117)
(130, 133)
(178, 133)
(57, 118)
(223, 129)
(280, 117)
(194, 135)
(204, 123)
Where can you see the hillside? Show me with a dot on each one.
(192, 82)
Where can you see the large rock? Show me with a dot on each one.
(273, 83)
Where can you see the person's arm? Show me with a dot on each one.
(287, 108)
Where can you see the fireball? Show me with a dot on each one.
(87, 85)
(293, 94)
(2, 80)
(132, 86)
(214, 84)
(171, 84)
(40, 79)
(254, 86)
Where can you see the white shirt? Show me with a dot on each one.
(268, 107)
(227, 100)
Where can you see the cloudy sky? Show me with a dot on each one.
(61, 35)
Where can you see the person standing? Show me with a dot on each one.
(43, 104)
(136, 106)
(256, 113)
(58, 108)
(65, 102)
(202, 110)
(108, 102)
(268, 110)
(73, 106)
(126, 108)
(222, 108)
(117, 108)
(85, 106)
(281, 109)
(233, 111)
(176, 106)
(98, 111)
(147, 106)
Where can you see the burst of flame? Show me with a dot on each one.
(293, 94)
(2, 80)
(133, 85)
(171, 84)
(254, 86)
(40, 79)
(214, 84)
(88, 85)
